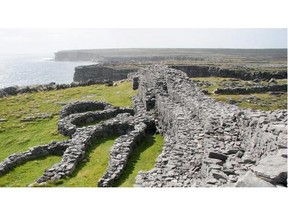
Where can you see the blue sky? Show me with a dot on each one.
(14, 41)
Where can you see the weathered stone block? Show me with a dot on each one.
(251, 180)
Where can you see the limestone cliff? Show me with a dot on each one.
(101, 72)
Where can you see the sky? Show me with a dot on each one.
(20, 41)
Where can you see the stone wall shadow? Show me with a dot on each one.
(134, 158)
(39, 159)
(87, 157)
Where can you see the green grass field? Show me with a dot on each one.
(17, 136)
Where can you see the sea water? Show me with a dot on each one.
(22, 70)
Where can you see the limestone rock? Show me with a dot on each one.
(219, 175)
(217, 155)
(3, 93)
(282, 153)
(273, 168)
(251, 180)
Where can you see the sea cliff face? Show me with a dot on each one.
(116, 72)
(243, 73)
(100, 72)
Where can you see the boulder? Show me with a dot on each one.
(273, 168)
(108, 82)
(213, 161)
(3, 94)
(282, 153)
(251, 180)
(219, 175)
(11, 90)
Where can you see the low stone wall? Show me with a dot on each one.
(121, 121)
(207, 143)
(14, 90)
(81, 140)
(83, 106)
(53, 148)
(260, 89)
(208, 71)
(68, 125)
(119, 154)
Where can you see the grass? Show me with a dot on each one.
(24, 175)
(265, 101)
(93, 167)
(16, 136)
(143, 158)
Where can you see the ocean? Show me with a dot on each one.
(25, 70)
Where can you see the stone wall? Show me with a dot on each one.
(131, 129)
(83, 106)
(68, 125)
(244, 74)
(208, 143)
(53, 148)
(14, 90)
(260, 89)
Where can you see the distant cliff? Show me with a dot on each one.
(73, 56)
(115, 64)
(102, 72)
(125, 55)
(231, 56)
(243, 73)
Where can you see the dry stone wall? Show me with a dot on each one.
(15, 90)
(131, 129)
(208, 143)
(260, 89)
(244, 74)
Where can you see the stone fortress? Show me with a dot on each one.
(207, 143)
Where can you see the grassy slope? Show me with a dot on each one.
(24, 175)
(92, 168)
(94, 165)
(16, 136)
